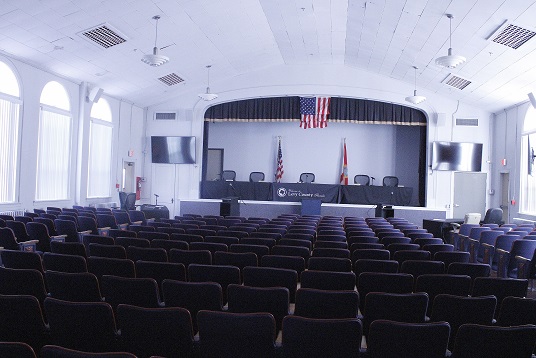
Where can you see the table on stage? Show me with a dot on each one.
(328, 193)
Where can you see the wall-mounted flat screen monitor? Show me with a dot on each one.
(173, 150)
(457, 156)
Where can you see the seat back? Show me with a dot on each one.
(383, 282)
(165, 332)
(399, 339)
(64, 263)
(224, 275)
(390, 180)
(309, 337)
(141, 292)
(248, 299)
(74, 287)
(493, 216)
(458, 310)
(69, 321)
(327, 280)
(326, 304)
(361, 179)
(228, 175)
(307, 178)
(256, 176)
(7, 238)
(226, 334)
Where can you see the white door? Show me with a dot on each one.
(469, 194)
(163, 188)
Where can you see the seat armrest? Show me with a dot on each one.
(150, 220)
(29, 246)
(473, 249)
(503, 257)
(122, 226)
(137, 222)
(523, 267)
(462, 246)
(104, 231)
(489, 251)
(59, 238)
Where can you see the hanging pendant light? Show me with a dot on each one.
(208, 96)
(415, 99)
(155, 59)
(450, 61)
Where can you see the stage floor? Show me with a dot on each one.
(271, 209)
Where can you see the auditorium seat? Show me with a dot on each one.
(160, 271)
(398, 339)
(165, 332)
(400, 307)
(374, 265)
(64, 263)
(499, 287)
(51, 351)
(259, 250)
(271, 277)
(22, 321)
(75, 287)
(474, 340)
(22, 282)
(132, 241)
(222, 274)
(16, 259)
(314, 303)
(226, 334)
(458, 310)
(187, 257)
(111, 251)
(310, 337)
(193, 296)
(135, 253)
(473, 270)
(383, 282)
(16, 350)
(330, 264)
(328, 280)
(68, 248)
(248, 299)
(435, 284)
(296, 263)
(100, 266)
(141, 292)
(169, 244)
(69, 321)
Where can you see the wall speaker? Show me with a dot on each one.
(95, 94)
(532, 99)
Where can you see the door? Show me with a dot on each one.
(505, 196)
(469, 194)
(214, 164)
(128, 182)
(163, 188)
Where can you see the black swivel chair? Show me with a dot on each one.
(307, 178)
(228, 175)
(127, 200)
(493, 216)
(390, 181)
(256, 176)
(362, 179)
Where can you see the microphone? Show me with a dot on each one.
(156, 200)
(157, 195)
(234, 190)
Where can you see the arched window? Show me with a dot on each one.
(10, 104)
(527, 197)
(100, 150)
(54, 144)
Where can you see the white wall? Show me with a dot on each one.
(128, 133)
(331, 81)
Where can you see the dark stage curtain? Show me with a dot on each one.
(287, 109)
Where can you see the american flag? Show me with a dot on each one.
(314, 112)
(279, 164)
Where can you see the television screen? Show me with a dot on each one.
(456, 156)
(173, 150)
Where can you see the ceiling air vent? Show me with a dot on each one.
(512, 36)
(165, 116)
(171, 79)
(473, 122)
(456, 82)
(103, 35)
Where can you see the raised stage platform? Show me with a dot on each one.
(272, 209)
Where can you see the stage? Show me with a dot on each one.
(272, 209)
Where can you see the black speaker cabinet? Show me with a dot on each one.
(384, 211)
(229, 207)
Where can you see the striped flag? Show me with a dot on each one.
(314, 112)
(344, 174)
(279, 163)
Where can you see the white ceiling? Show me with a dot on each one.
(237, 37)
